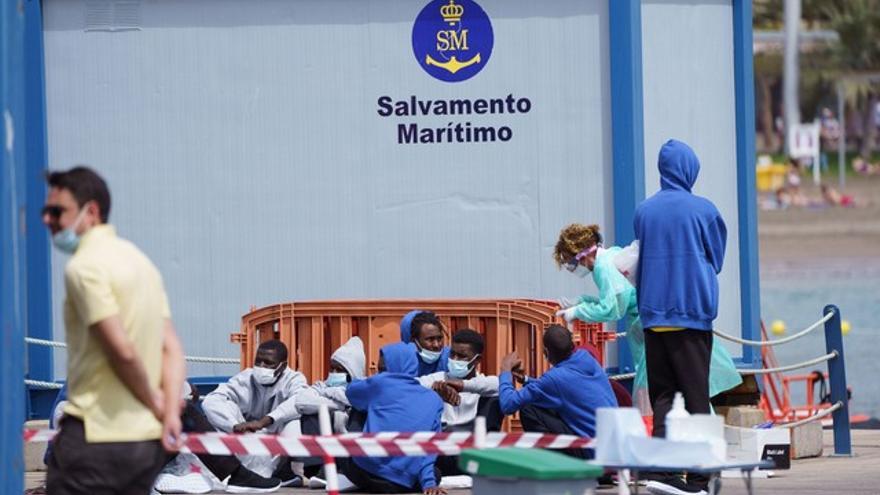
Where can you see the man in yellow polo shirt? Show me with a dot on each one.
(125, 364)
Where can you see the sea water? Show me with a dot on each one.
(796, 293)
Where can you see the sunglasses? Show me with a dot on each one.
(53, 211)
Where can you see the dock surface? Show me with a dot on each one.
(857, 475)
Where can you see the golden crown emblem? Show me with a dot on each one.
(451, 13)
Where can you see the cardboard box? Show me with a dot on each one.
(752, 445)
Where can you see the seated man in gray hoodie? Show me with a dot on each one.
(346, 364)
(261, 399)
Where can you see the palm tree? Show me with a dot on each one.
(857, 58)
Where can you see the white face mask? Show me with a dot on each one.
(429, 357)
(335, 379)
(581, 271)
(265, 376)
(460, 369)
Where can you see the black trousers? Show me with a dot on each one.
(489, 408)
(539, 420)
(77, 467)
(678, 361)
(371, 483)
(195, 421)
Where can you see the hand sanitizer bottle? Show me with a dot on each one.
(676, 419)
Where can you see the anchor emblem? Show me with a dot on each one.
(453, 65)
(452, 39)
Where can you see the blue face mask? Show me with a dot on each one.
(67, 240)
(460, 369)
(429, 357)
(336, 380)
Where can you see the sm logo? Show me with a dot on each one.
(452, 39)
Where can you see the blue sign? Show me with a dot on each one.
(452, 39)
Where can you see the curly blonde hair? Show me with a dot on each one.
(573, 239)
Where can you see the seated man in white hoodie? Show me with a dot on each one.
(466, 394)
(260, 399)
(346, 364)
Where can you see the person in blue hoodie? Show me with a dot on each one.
(682, 240)
(395, 401)
(565, 398)
(406, 326)
(421, 332)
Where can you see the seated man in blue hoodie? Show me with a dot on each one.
(395, 401)
(565, 398)
(682, 240)
(421, 332)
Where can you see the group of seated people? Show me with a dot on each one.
(421, 385)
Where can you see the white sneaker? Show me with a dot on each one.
(316, 483)
(190, 483)
(345, 484)
(673, 487)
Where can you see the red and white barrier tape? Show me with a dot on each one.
(389, 444)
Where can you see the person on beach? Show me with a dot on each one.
(125, 365)
(682, 239)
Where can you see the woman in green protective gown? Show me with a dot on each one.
(579, 250)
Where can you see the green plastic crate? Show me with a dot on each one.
(532, 464)
(514, 471)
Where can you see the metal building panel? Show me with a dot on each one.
(247, 158)
(687, 53)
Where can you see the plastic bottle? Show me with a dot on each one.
(676, 419)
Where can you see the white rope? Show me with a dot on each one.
(623, 376)
(202, 359)
(48, 343)
(819, 415)
(193, 359)
(43, 385)
(762, 343)
(764, 371)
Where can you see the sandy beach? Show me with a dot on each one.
(799, 235)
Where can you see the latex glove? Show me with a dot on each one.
(567, 302)
(567, 314)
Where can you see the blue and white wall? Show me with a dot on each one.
(247, 158)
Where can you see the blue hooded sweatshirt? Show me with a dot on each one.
(424, 368)
(406, 326)
(682, 239)
(395, 401)
(574, 388)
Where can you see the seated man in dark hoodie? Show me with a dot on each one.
(565, 398)
(422, 333)
(395, 401)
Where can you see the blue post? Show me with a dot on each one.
(12, 246)
(744, 89)
(38, 272)
(627, 130)
(837, 381)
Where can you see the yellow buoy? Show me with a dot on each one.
(777, 327)
(845, 327)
